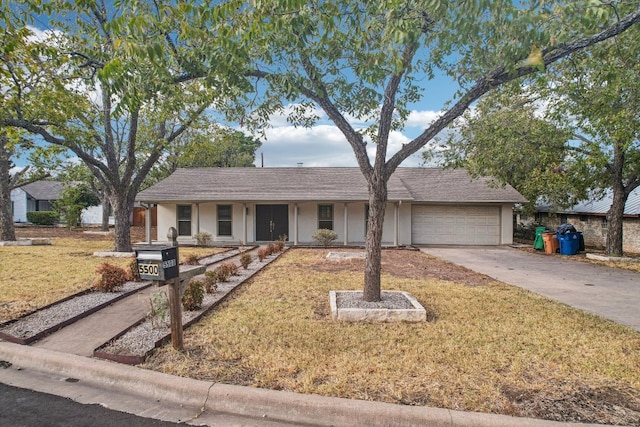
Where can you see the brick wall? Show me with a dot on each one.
(594, 231)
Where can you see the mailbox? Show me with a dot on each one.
(157, 262)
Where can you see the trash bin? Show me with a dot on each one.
(551, 245)
(538, 243)
(569, 243)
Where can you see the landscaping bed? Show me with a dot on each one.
(46, 320)
(133, 345)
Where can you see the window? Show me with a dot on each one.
(584, 218)
(563, 219)
(224, 220)
(184, 220)
(325, 217)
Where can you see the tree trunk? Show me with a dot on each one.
(122, 209)
(7, 231)
(614, 221)
(373, 262)
(106, 209)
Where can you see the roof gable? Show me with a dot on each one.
(44, 190)
(321, 184)
(600, 206)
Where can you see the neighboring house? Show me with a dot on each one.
(247, 205)
(590, 217)
(40, 196)
(37, 196)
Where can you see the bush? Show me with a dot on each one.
(111, 279)
(134, 274)
(43, 217)
(324, 237)
(193, 295)
(226, 270)
(245, 260)
(278, 245)
(271, 249)
(203, 239)
(262, 254)
(191, 259)
(211, 282)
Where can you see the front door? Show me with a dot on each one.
(272, 221)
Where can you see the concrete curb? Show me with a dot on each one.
(259, 404)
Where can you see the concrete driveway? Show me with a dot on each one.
(607, 292)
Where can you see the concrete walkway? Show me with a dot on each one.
(608, 292)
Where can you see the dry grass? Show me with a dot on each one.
(492, 348)
(34, 276)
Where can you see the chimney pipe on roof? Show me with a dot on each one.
(300, 164)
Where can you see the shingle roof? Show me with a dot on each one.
(454, 185)
(44, 190)
(601, 206)
(322, 184)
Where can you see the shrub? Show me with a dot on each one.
(193, 295)
(226, 270)
(134, 274)
(112, 277)
(245, 260)
(324, 237)
(262, 254)
(43, 217)
(211, 282)
(278, 245)
(191, 259)
(159, 312)
(203, 239)
(271, 249)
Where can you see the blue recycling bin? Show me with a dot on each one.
(569, 243)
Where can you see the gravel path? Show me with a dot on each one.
(42, 320)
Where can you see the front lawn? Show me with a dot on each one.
(487, 347)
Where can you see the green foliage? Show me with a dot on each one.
(324, 237)
(203, 238)
(193, 295)
(111, 278)
(505, 138)
(43, 217)
(73, 200)
(245, 260)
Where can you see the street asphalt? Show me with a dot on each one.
(608, 292)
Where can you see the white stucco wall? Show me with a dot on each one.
(19, 200)
(506, 221)
(93, 216)
(307, 222)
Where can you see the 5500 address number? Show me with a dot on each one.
(154, 269)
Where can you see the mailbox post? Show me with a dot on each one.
(161, 264)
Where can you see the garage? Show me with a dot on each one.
(455, 225)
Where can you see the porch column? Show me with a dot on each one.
(396, 220)
(244, 223)
(346, 224)
(295, 224)
(147, 223)
(197, 218)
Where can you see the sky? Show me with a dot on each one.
(284, 145)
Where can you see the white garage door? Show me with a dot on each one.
(455, 225)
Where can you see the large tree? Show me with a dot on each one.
(572, 134)
(209, 145)
(118, 76)
(372, 60)
(507, 137)
(596, 96)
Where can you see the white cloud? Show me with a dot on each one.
(325, 145)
